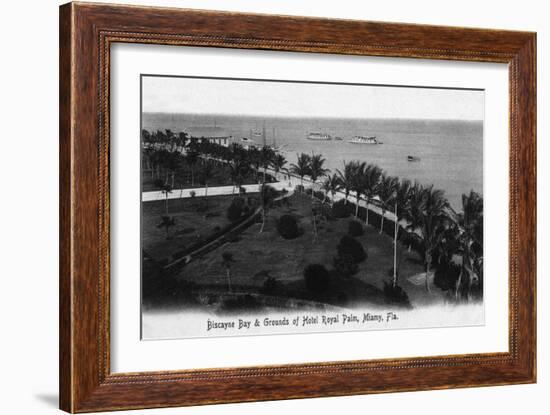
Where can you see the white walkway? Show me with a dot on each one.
(288, 182)
(212, 191)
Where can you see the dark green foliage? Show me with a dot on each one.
(342, 299)
(340, 209)
(355, 228)
(317, 278)
(235, 209)
(446, 275)
(345, 266)
(396, 296)
(287, 226)
(160, 289)
(352, 247)
(319, 195)
(240, 303)
(271, 286)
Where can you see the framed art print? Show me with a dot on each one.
(341, 207)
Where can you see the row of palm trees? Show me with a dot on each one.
(422, 212)
(165, 152)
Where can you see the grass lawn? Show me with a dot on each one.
(259, 255)
(191, 224)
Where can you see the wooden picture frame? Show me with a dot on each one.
(86, 33)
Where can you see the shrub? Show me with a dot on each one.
(446, 275)
(235, 209)
(239, 304)
(319, 195)
(162, 289)
(352, 247)
(342, 299)
(345, 266)
(355, 228)
(271, 286)
(316, 277)
(287, 226)
(396, 295)
(340, 209)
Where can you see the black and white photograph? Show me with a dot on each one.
(281, 206)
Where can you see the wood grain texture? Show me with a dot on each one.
(86, 33)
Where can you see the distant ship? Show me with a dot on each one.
(338, 138)
(319, 136)
(359, 139)
(413, 158)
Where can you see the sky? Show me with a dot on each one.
(293, 99)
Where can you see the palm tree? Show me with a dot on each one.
(207, 175)
(267, 197)
(172, 163)
(238, 169)
(316, 169)
(191, 158)
(471, 240)
(161, 158)
(278, 164)
(331, 185)
(371, 179)
(148, 154)
(181, 141)
(401, 201)
(387, 188)
(167, 222)
(413, 210)
(316, 210)
(170, 139)
(145, 138)
(161, 139)
(358, 183)
(346, 177)
(165, 189)
(433, 216)
(266, 158)
(301, 168)
(254, 159)
(227, 260)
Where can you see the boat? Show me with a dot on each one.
(319, 136)
(338, 138)
(359, 139)
(413, 158)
